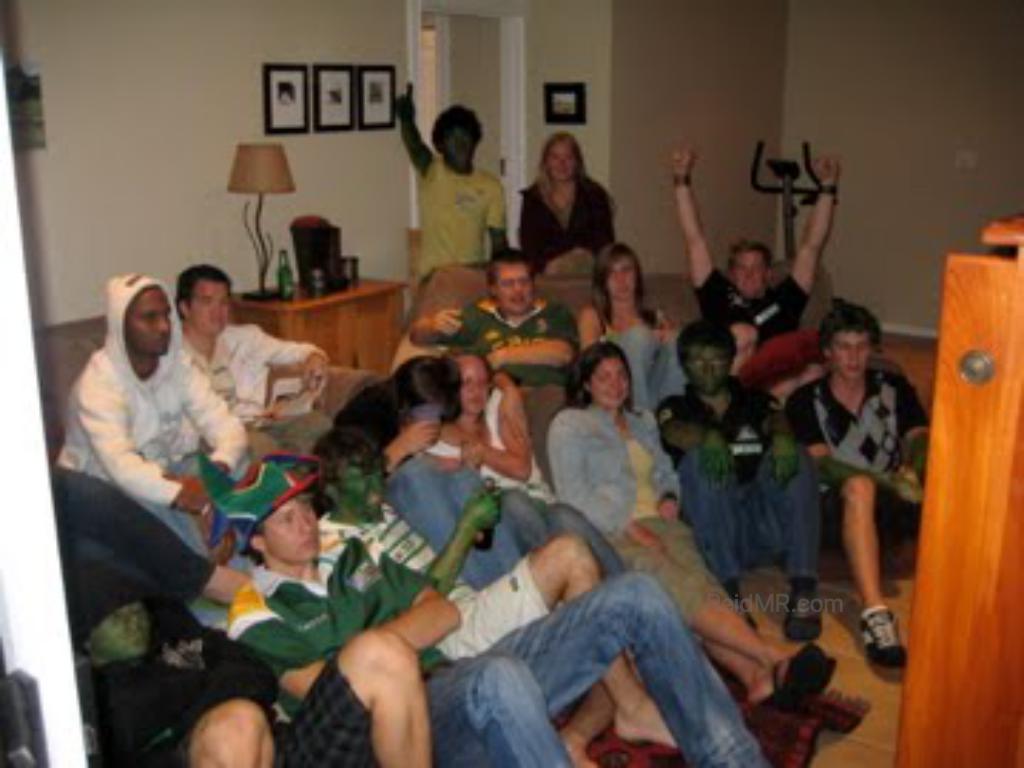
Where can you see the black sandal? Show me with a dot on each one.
(808, 674)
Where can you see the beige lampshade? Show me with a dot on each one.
(260, 168)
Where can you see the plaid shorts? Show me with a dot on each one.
(332, 728)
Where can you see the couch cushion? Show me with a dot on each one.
(62, 351)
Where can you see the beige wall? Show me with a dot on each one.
(707, 72)
(570, 41)
(925, 103)
(144, 103)
(475, 44)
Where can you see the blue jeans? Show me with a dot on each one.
(535, 522)
(114, 553)
(495, 709)
(653, 365)
(757, 523)
(430, 500)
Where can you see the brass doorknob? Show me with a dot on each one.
(977, 367)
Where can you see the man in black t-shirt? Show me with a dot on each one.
(869, 435)
(743, 299)
(747, 489)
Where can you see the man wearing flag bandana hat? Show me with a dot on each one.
(345, 650)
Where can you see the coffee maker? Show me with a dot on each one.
(318, 255)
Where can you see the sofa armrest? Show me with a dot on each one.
(342, 384)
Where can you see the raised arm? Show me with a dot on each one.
(419, 153)
(698, 255)
(819, 224)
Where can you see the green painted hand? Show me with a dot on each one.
(482, 511)
(906, 485)
(405, 107)
(123, 635)
(715, 457)
(785, 458)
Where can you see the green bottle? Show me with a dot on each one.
(285, 278)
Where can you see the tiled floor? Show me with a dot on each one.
(873, 743)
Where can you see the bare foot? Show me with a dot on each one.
(576, 746)
(760, 686)
(643, 723)
(773, 668)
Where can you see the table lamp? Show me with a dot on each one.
(260, 169)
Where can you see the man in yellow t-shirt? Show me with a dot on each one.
(458, 203)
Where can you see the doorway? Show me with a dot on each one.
(474, 55)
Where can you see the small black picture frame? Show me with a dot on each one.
(565, 103)
(376, 97)
(285, 98)
(334, 97)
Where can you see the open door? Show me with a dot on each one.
(963, 699)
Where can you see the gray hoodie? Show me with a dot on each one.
(131, 431)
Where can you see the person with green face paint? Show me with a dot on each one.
(352, 500)
(462, 208)
(747, 489)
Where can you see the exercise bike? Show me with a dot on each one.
(786, 172)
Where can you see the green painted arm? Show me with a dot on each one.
(481, 512)
(419, 153)
(903, 483)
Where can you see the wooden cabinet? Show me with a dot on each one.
(358, 328)
(963, 698)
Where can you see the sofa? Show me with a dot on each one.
(672, 293)
(63, 350)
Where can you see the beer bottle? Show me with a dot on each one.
(285, 278)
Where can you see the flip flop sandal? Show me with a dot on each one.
(808, 673)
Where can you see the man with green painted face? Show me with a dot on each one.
(462, 208)
(748, 490)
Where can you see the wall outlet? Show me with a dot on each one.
(965, 160)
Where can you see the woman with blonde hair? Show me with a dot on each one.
(618, 313)
(564, 212)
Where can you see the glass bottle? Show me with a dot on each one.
(285, 278)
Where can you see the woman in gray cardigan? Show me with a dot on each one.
(607, 461)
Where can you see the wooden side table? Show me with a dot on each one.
(359, 327)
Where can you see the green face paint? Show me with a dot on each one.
(121, 636)
(358, 495)
(707, 369)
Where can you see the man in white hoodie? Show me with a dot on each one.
(238, 358)
(138, 410)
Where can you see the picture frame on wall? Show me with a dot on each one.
(285, 98)
(376, 98)
(565, 103)
(333, 97)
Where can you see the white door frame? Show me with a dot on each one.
(33, 621)
(511, 15)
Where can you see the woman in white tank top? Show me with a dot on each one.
(490, 434)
